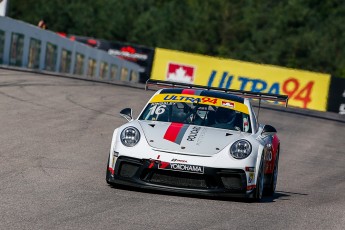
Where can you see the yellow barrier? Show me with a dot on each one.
(305, 89)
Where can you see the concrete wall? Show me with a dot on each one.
(27, 46)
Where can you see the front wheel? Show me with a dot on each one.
(260, 182)
(273, 183)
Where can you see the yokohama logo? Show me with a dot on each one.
(183, 167)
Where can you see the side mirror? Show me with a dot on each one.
(268, 130)
(127, 114)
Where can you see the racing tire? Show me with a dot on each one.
(259, 190)
(274, 177)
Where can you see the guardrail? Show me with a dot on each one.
(25, 45)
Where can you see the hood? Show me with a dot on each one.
(187, 139)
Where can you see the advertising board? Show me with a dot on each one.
(305, 89)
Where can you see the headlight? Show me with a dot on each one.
(240, 149)
(130, 136)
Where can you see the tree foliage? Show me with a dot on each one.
(304, 34)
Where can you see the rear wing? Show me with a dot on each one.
(242, 93)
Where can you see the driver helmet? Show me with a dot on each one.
(224, 115)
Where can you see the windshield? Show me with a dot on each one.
(197, 114)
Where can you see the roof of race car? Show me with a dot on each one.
(201, 92)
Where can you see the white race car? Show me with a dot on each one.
(196, 139)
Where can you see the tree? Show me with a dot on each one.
(306, 34)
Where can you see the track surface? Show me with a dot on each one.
(55, 137)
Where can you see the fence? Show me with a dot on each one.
(27, 46)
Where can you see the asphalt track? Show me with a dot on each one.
(54, 142)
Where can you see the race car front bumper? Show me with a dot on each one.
(146, 173)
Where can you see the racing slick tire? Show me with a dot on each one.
(258, 193)
(273, 181)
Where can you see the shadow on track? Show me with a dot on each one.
(278, 195)
(281, 195)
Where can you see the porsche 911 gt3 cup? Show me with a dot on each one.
(196, 139)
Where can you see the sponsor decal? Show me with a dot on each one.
(245, 124)
(181, 167)
(175, 132)
(250, 169)
(193, 133)
(163, 103)
(228, 104)
(209, 100)
(268, 155)
(189, 98)
(179, 97)
(178, 160)
(250, 177)
(180, 73)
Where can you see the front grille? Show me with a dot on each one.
(128, 169)
(178, 179)
(232, 181)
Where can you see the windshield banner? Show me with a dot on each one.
(305, 89)
(200, 100)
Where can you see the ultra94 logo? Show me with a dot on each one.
(298, 92)
(291, 87)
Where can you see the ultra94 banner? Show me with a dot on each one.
(305, 89)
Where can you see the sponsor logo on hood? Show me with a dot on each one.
(178, 160)
(193, 133)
